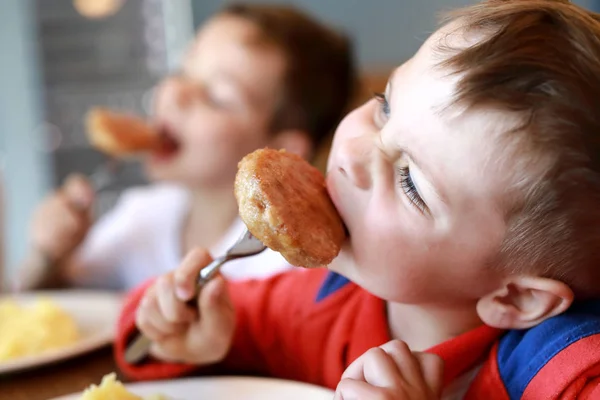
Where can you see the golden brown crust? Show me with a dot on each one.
(120, 135)
(284, 202)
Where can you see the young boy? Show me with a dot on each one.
(254, 76)
(470, 190)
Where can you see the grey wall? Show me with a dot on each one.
(386, 32)
(25, 167)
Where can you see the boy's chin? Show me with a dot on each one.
(176, 176)
(343, 260)
(159, 173)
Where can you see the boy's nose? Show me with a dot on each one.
(183, 94)
(354, 160)
(177, 93)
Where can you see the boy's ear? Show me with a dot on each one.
(523, 302)
(293, 140)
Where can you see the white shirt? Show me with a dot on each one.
(141, 238)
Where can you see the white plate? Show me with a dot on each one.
(227, 388)
(96, 314)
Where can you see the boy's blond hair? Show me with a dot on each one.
(540, 61)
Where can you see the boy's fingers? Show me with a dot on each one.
(71, 221)
(169, 352)
(381, 370)
(356, 370)
(78, 192)
(375, 367)
(159, 326)
(214, 299)
(406, 362)
(186, 274)
(220, 295)
(171, 307)
(433, 371)
(217, 316)
(350, 389)
(145, 317)
(143, 323)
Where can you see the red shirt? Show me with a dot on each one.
(308, 326)
(284, 332)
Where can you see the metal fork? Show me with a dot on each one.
(246, 246)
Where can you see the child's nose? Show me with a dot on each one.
(176, 93)
(354, 160)
(183, 95)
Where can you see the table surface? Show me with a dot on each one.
(58, 379)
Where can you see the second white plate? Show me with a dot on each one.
(96, 314)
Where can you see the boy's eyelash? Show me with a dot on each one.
(409, 188)
(384, 104)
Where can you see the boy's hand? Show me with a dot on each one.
(181, 333)
(392, 372)
(61, 222)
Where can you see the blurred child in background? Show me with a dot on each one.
(254, 76)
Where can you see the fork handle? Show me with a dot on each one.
(210, 271)
(206, 275)
(138, 349)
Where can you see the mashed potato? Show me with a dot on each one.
(31, 330)
(111, 389)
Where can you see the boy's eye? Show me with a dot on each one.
(215, 99)
(383, 111)
(220, 97)
(408, 187)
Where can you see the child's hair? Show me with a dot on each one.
(320, 79)
(540, 61)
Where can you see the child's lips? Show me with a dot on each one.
(346, 230)
(333, 195)
(169, 145)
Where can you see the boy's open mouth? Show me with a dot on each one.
(169, 145)
(331, 192)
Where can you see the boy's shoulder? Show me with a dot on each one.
(305, 290)
(307, 300)
(319, 322)
(560, 355)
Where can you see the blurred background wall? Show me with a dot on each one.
(56, 63)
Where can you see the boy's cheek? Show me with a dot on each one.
(160, 94)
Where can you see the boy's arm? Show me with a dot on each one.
(266, 314)
(152, 369)
(243, 354)
(37, 272)
(590, 391)
(94, 262)
(558, 360)
(573, 373)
